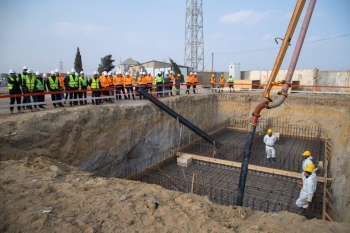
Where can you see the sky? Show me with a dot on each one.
(40, 34)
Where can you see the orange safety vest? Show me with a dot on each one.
(195, 79)
(212, 80)
(110, 80)
(104, 81)
(222, 80)
(118, 80)
(189, 79)
(129, 80)
(149, 78)
(142, 80)
(171, 78)
(61, 80)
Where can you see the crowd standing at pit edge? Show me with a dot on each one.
(77, 84)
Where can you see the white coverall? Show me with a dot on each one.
(308, 190)
(270, 142)
(306, 162)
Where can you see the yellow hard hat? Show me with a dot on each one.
(213, 75)
(269, 131)
(222, 75)
(307, 153)
(178, 75)
(310, 168)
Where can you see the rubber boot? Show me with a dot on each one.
(301, 211)
(268, 161)
(273, 160)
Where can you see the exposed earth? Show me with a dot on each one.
(44, 195)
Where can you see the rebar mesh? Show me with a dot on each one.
(264, 191)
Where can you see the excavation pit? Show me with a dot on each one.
(205, 170)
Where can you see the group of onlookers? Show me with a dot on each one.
(107, 87)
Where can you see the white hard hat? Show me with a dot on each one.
(68, 72)
(45, 75)
(52, 72)
(37, 73)
(191, 73)
(73, 70)
(30, 71)
(110, 73)
(25, 67)
(12, 72)
(105, 73)
(57, 71)
(82, 72)
(76, 74)
(95, 72)
(195, 73)
(127, 73)
(143, 72)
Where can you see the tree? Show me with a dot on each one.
(78, 65)
(106, 64)
(176, 68)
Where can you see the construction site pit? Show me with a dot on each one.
(211, 173)
(136, 140)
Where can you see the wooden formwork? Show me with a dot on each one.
(328, 185)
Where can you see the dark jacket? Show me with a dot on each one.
(17, 85)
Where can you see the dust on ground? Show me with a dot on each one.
(45, 195)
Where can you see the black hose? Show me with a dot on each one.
(174, 114)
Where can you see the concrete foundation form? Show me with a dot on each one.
(269, 187)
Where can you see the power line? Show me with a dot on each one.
(259, 50)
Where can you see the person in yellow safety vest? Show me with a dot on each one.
(23, 76)
(119, 82)
(222, 83)
(53, 85)
(171, 75)
(14, 83)
(213, 82)
(230, 81)
(40, 88)
(159, 79)
(150, 81)
(104, 85)
(189, 82)
(178, 82)
(29, 86)
(194, 81)
(128, 84)
(142, 82)
(95, 85)
(83, 84)
(73, 85)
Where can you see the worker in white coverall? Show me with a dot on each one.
(308, 189)
(269, 141)
(307, 160)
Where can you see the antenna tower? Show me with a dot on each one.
(61, 65)
(194, 44)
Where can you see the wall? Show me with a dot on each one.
(311, 77)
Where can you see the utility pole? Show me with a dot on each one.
(212, 62)
(194, 44)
